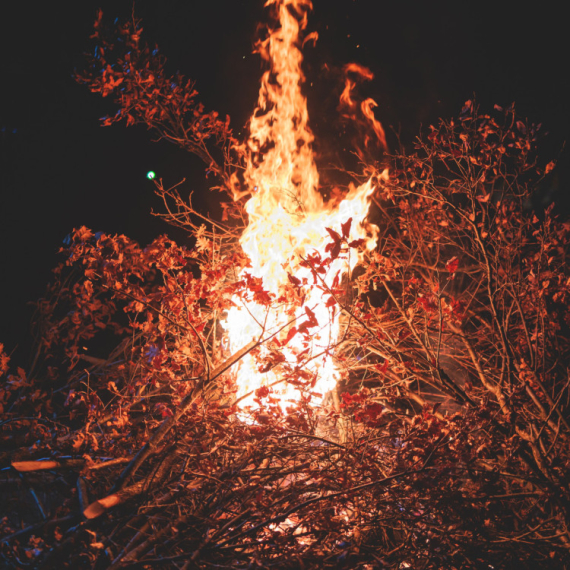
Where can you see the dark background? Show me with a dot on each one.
(59, 169)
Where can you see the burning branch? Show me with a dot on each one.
(440, 335)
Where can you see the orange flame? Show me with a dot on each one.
(348, 106)
(288, 220)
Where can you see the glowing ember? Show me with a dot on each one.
(288, 221)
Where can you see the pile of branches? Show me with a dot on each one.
(445, 444)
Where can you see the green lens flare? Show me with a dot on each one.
(150, 174)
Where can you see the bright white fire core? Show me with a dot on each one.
(287, 222)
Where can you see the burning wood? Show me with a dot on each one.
(448, 372)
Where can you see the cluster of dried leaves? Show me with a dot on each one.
(445, 447)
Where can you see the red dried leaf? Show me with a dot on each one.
(290, 334)
(452, 265)
(295, 280)
(334, 249)
(262, 392)
(383, 368)
(333, 234)
(346, 228)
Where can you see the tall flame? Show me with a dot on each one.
(288, 220)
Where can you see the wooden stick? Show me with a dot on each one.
(98, 507)
(47, 464)
(82, 494)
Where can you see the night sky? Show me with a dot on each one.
(59, 169)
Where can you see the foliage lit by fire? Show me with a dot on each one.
(444, 443)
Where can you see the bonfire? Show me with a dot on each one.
(368, 372)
